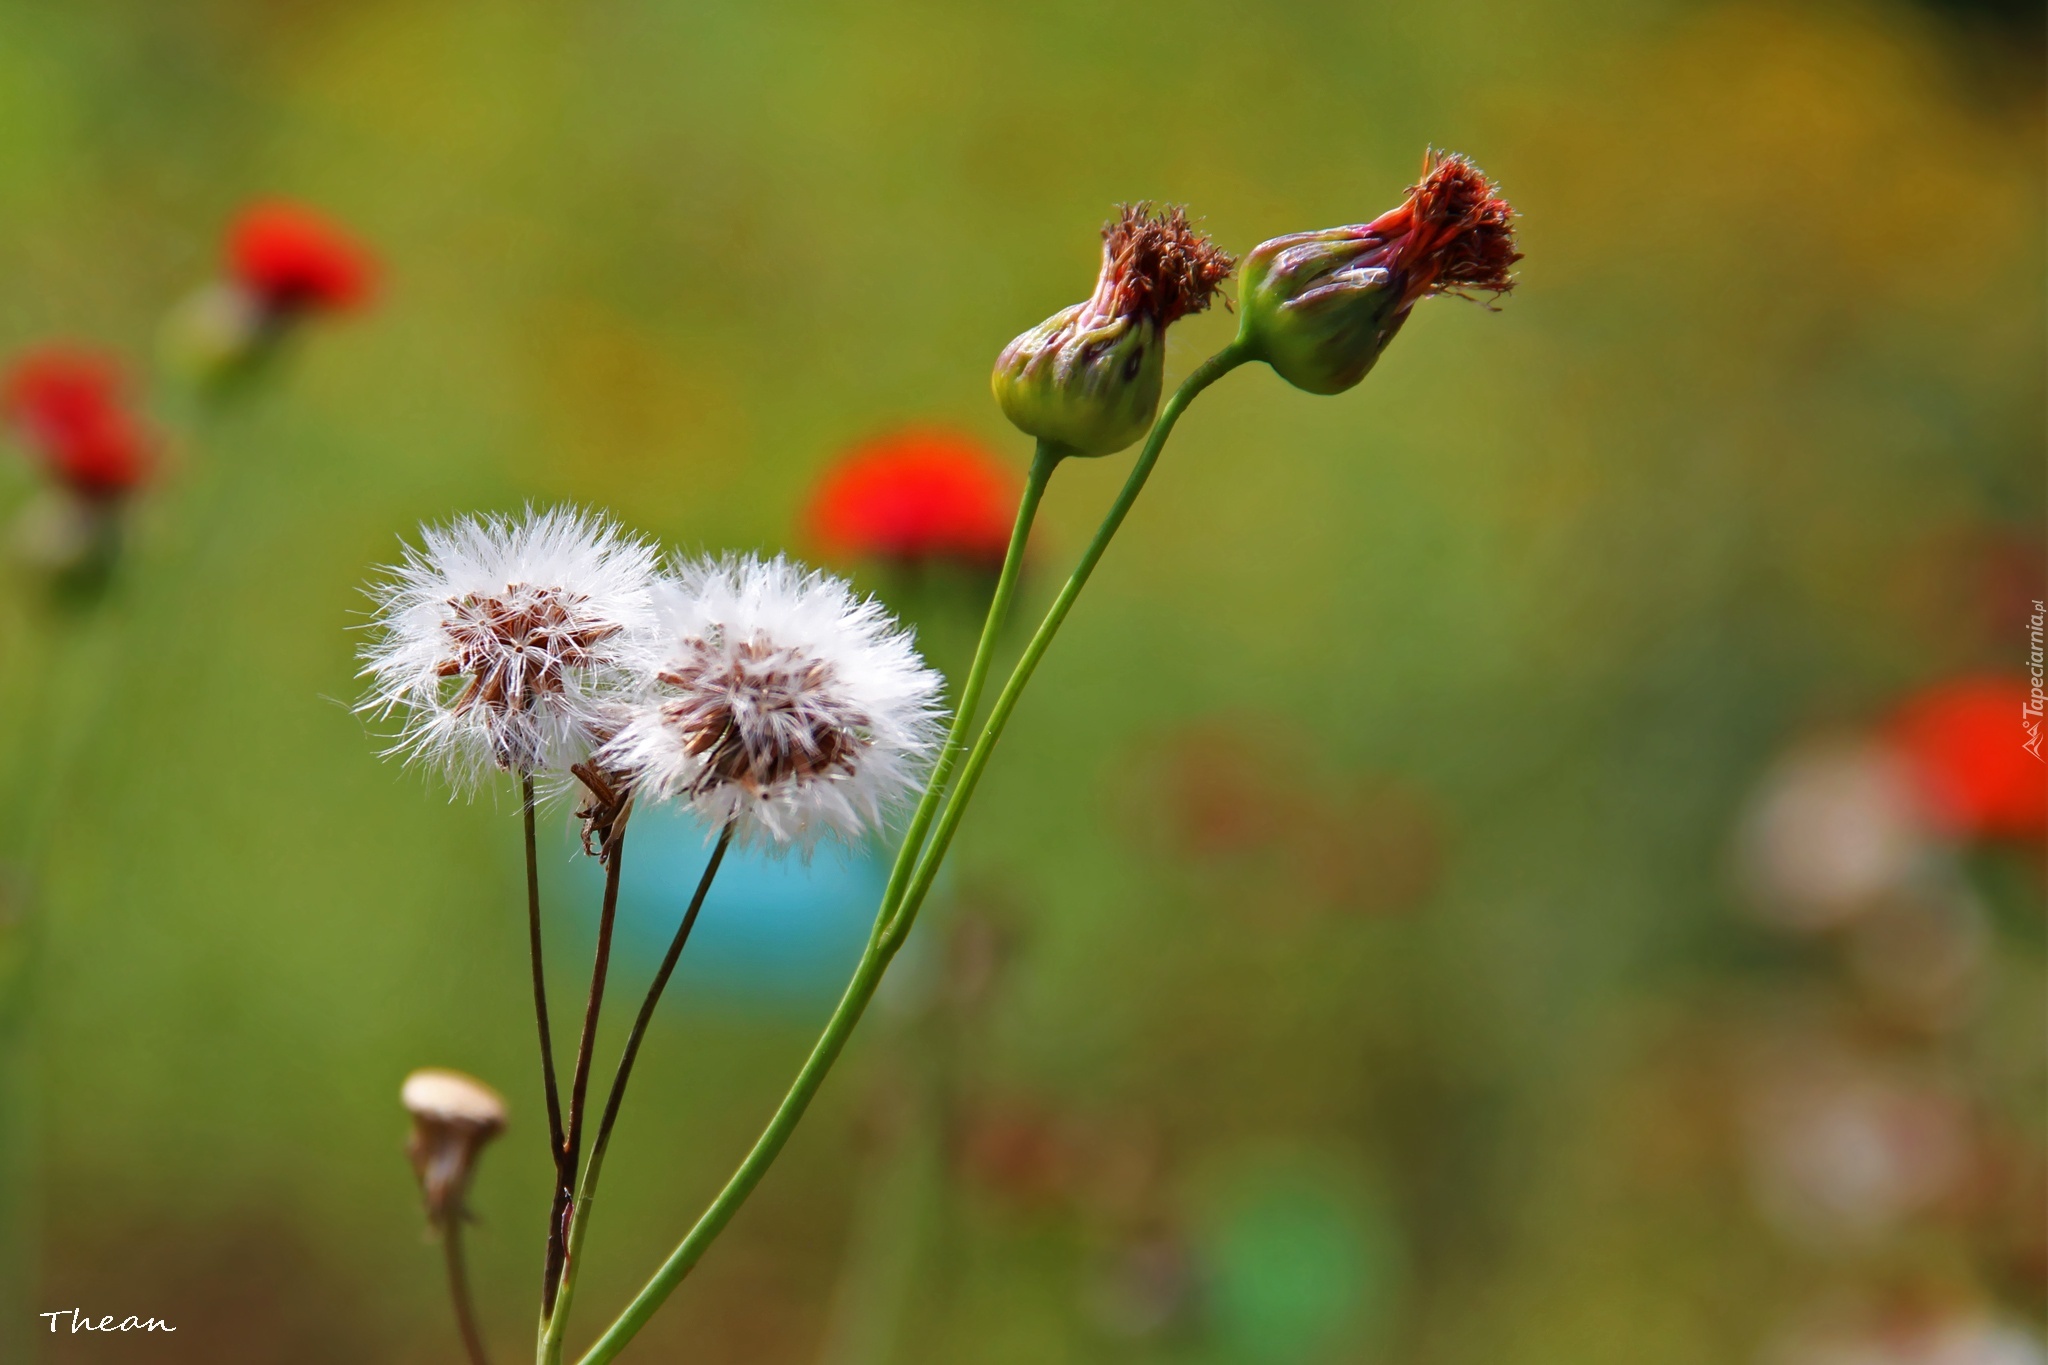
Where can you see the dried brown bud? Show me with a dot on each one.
(1156, 265)
(1455, 231)
(607, 801)
(1087, 379)
(453, 1118)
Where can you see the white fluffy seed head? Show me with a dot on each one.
(506, 643)
(783, 704)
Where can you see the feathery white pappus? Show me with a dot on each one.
(504, 642)
(784, 703)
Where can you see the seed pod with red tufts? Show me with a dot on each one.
(1320, 307)
(1087, 379)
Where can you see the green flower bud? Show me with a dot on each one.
(1088, 378)
(1090, 388)
(1320, 307)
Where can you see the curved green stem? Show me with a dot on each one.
(1043, 461)
(766, 1148)
(896, 913)
(1207, 373)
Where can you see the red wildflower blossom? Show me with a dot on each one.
(1964, 742)
(294, 260)
(916, 496)
(68, 407)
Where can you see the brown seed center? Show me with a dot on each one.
(759, 714)
(518, 645)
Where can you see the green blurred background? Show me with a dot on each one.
(1371, 979)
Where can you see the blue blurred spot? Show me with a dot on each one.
(775, 933)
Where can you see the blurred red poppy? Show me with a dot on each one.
(916, 496)
(294, 260)
(1964, 741)
(69, 408)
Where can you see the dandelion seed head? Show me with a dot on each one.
(507, 644)
(783, 704)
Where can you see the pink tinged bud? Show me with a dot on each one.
(453, 1118)
(1320, 307)
(1088, 378)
